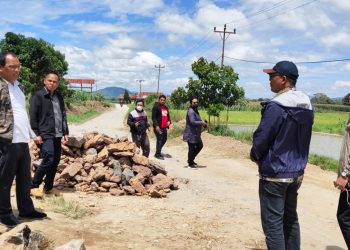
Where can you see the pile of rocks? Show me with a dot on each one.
(98, 163)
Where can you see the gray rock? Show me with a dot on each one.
(72, 245)
(117, 168)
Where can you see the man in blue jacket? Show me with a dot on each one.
(280, 148)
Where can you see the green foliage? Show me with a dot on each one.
(37, 58)
(346, 100)
(83, 117)
(215, 84)
(178, 97)
(215, 109)
(151, 99)
(321, 98)
(127, 96)
(331, 107)
(325, 163)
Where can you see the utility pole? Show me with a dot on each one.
(159, 67)
(223, 40)
(140, 80)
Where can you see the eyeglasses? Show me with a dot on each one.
(14, 67)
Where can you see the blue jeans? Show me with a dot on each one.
(50, 151)
(279, 218)
(161, 139)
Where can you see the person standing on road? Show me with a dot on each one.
(342, 183)
(280, 148)
(49, 122)
(15, 134)
(138, 123)
(192, 132)
(161, 122)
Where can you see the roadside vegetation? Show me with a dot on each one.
(69, 208)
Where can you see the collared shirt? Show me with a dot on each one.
(22, 131)
(57, 113)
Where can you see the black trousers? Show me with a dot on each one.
(15, 162)
(193, 151)
(162, 137)
(143, 142)
(343, 215)
(50, 152)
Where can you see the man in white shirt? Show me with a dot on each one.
(15, 134)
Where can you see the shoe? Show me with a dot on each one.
(160, 157)
(9, 221)
(192, 166)
(194, 163)
(33, 215)
(36, 193)
(53, 191)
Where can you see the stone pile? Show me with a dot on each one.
(98, 163)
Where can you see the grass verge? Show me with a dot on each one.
(68, 208)
(325, 163)
(83, 117)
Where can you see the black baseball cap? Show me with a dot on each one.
(286, 68)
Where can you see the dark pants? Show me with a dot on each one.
(162, 137)
(15, 162)
(343, 215)
(50, 151)
(279, 218)
(193, 151)
(143, 142)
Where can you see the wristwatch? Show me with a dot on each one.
(343, 174)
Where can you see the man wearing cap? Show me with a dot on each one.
(280, 148)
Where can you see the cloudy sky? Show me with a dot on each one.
(118, 42)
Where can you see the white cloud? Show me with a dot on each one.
(175, 23)
(337, 39)
(341, 85)
(96, 28)
(141, 7)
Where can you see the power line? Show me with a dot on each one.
(302, 62)
(224, 32)
(140, 80)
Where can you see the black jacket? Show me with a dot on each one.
(157, 114)
(42, 117)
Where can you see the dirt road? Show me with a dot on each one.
(216, 206)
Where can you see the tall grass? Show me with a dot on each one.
(68, 208)
(325, 163)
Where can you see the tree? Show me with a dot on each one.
(178, 97)
(215, 86)
(126, 96)
(346, 100)
(321, 98)
(37, 57)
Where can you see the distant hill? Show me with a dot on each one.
(112, 92)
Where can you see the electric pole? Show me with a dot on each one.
(140, 80)
(159, 67)
(223, 40)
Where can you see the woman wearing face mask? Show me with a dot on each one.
(192, 133)
(138, 124)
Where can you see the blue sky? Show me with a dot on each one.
(117, 42)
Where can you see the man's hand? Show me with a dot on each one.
(137, 124)
(158, 129)
(341, 183)
(65, 139)
(168, 124)
(38, 140)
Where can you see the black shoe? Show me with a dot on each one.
(194, 163)
(192, 166)
(9, 221)
(33, 215)
(160, 157)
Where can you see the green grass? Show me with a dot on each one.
(68, 208)
(325, 163)
(83, 117)
(330, 122)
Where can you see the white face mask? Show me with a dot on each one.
(139, 108)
